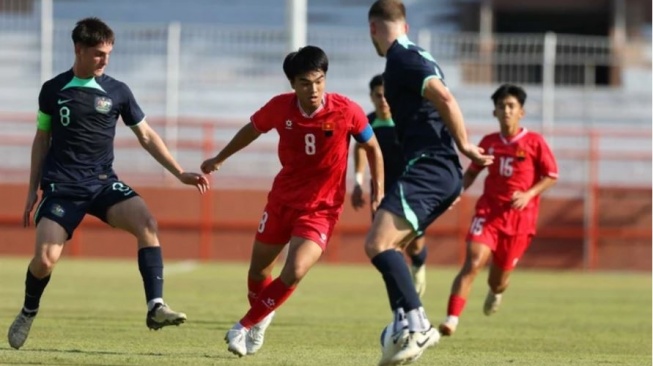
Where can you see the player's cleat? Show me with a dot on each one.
(236, 343)
(256, 335)
(448, 326)
(492, 302)
(419, 279)
(393, 347)
(161, 316)
(409, 347)
(19, 329)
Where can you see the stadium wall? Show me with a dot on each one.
(220, 227)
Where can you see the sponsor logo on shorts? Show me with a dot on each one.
(323, 237)
(57, 210)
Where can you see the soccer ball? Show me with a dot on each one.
(386, 335)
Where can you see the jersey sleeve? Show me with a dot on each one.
(44, 116)
(360, 126)
(266, 117)
(546, 162)
(130, 111)
(417, 69)
(485, 145)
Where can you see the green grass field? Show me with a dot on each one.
(93, 313)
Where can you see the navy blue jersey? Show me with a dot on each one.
(82, 116)
(393, 158)
(419, 126)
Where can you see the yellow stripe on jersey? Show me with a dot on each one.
(43, 121)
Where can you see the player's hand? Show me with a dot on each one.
(477, 155)
(357, 199)
(521, 199)
(210, 165)
(194, 179)
(29, 206)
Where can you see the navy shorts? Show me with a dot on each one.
(67, 204)
(426, 189)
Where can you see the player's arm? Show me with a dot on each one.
(360, 159)
(547, 167)
(241, 139)
(470, 176)
(370, 145)
(40, 147)
(154, 145)
(438, 94)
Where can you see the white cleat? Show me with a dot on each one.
(390, 349)
(492, 303)
(235, 339)
(256, 335)
(409, 347)
(448, 326)
(19, 329)
(419, 279)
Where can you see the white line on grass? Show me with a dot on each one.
(180, 267)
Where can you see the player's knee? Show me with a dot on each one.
(43, 264)
(293, 274)
(148, 227)
(374, 245)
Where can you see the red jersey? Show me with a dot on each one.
(519, 163)
(313, 150)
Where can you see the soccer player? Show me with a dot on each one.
(428, 122)
(72, 157)
(393, 165)
(308, 193)
(506, 213)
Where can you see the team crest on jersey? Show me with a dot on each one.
(521, 155)
(103, 104)
(490, 151)
(327, 127)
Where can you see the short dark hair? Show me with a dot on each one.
(508, 90)
(90, 32)
(306, 59)
(377, 80)
(390, 10)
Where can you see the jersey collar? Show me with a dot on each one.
(321, 107)
(515, 138)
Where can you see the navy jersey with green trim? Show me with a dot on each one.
(419, 125)
(81, 115)
(393, 158)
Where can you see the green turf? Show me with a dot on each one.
(93, 314)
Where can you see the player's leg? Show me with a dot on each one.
(264, 256)
(121, 207)
(510, 249)
(428, 186)
(55, 222)
(417, 252)
(476, 257)
(273, 233)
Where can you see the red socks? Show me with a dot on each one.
(272, 296)
(255, 287)
(456, 305)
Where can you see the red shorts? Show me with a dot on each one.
(507, 249)
(280, 222)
